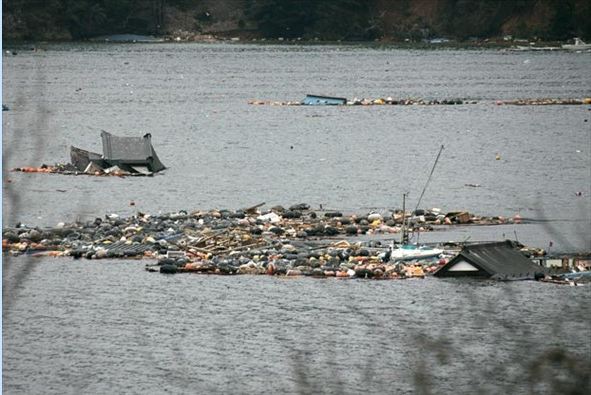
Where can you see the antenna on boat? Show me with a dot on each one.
(425, 188)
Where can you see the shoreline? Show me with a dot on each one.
(197, 38)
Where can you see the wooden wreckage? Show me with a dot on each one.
(122, 156)
(283, 242)
(322, 100)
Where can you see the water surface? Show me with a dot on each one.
(224, 153)
(104, 327)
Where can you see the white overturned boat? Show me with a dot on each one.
(532, 48)
(409, 252)
(579, 45)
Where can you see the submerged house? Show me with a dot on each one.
(133, 155)
(500, 261)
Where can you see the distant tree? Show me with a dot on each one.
(563, 21)
(343, 20)
(34, 18)
(118, 13)
(84, 17)
(184, 5)
(582, 19)
(478, 18)
(475, 18)
(328, 20)
(158, 15)
(284, 18)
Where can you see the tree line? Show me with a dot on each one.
(306, 19)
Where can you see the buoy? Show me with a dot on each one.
(132, 203)
(498, 157)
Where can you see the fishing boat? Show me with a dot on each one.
(579, 45)
(586, 275)
(533, 48)
(572, 279)
(407, 251)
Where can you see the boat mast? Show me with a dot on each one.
(426, 184)
(429, 178)
(404, 239)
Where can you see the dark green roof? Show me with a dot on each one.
(500, 260)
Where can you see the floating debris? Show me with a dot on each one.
(122, 156)
(317, 100)
(290, 241)
(543, 102)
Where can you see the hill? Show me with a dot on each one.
(347, 20)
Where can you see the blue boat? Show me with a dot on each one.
(317, 100)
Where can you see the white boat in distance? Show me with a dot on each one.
(532, 48)
(579, 45)
(409, 252)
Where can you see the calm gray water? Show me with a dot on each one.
(110, 327)
(86, 327)
(225, 153)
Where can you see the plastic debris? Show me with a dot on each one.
(278, 241)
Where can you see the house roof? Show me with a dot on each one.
(132, 154)
(130, 151)
(500, 260)
(81, 158)
(126, 148)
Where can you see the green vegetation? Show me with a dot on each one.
(305, 19)
(330, 20)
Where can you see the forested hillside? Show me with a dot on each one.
(349, 20)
